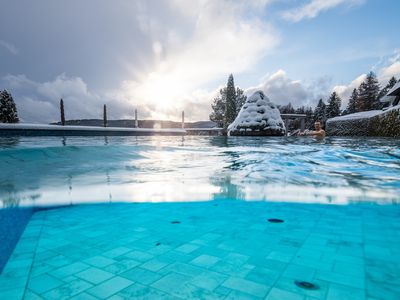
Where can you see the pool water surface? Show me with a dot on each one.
(202, 218)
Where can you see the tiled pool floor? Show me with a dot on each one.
(207, 250)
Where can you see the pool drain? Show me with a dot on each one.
(175, 222)
(275, 221)
(306, 285)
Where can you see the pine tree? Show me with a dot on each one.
(223, 113)
(309, 117)
(386, 89)
(287, 109)
(368, 93)
(333, 108)
(240, 99)
(351, 106)
(230, 108)
(8, 110)
(319, 112)
(218, 107)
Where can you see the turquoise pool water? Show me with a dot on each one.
(195, 222)
(56, 171)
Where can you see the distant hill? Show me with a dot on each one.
(142, 123)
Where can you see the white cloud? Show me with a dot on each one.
(282, 90)
(314, 7)
(217, 39)
(344, 91)
(9, 47)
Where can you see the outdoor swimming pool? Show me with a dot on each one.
(338, 198)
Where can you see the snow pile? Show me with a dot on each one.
(258, 116)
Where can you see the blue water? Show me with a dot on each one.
(195, 222)
(55, 171)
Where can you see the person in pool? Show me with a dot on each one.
(318, 132)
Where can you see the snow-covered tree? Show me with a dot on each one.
(224, 113)
(8, 110)
(333, 107)
(351, 106)
(368, 93)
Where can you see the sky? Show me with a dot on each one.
(164, 56)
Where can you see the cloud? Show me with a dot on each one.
(314, 7)
(217, 39)
(187, 47)
(9, 47)
(282, 90)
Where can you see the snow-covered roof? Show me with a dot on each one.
(363, 114)
(387, 98)
(395, 90)
(359, 115)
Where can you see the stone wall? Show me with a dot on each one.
(385, 124)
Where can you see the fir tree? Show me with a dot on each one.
(240, 99)
(368, 93)
(351, 106)
(230, 108)
(287, 109)
(309, 118)
(220, 105)
(386, 89)
(361, 91)
(333, 108)
(8, 110)
(319, 112)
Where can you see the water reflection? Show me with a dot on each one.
(53, 170)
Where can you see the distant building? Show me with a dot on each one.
(393, 96)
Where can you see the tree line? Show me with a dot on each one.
(367, 96)
(364, 98)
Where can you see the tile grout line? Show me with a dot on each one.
(34, 253)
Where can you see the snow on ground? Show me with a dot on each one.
(364, 114)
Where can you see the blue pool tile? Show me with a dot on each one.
(99, 261)
(205, 261)
(109, 287)
(343, 292)
(246, 286)
(278, 294)
(43, 283)
(68, 290)
(94, 275)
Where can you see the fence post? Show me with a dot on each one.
(136, 120)
(183, 119)
(105, 115)
(62, 112)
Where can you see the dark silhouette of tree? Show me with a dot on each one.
(368, 94)
(62, 112)
(333, 107)
(8, 109)
(352, 105)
